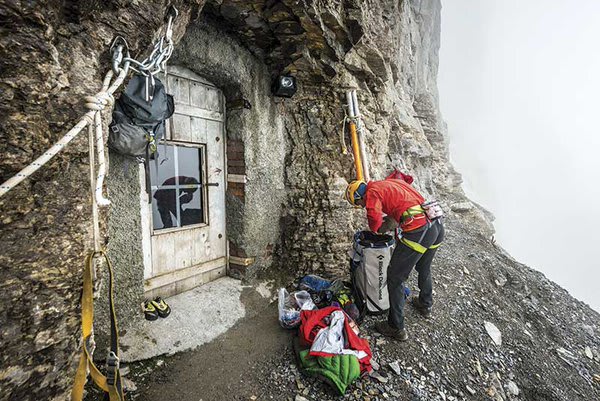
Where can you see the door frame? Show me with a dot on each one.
(146, 206)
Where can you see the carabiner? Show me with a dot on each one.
(117, 47)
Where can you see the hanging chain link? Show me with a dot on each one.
(163, 49)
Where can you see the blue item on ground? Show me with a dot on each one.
(314, 283)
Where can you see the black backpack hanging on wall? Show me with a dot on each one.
(139, 116)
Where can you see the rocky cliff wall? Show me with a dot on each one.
(52, 54)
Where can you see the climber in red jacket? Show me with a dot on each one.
(394, 204)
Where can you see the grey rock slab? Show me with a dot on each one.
(380, 377)
(588, 352)
(470, 390)
(395, 367)
(494, 333)
(512, 388)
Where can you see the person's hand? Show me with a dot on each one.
(389, 224)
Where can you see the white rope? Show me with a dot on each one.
(98, 103)
(95, 104)
(95, 216)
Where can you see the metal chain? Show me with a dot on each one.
(163, 49)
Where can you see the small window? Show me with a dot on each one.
(177, 190)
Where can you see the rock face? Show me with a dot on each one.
(292, 217)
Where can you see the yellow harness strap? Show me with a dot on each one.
(413, 211)
(415, 246)
(111, 383)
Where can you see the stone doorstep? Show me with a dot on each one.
(197, 317)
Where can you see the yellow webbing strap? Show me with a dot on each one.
(415, 246)
(114, 386)
(435, 246)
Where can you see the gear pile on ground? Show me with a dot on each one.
(548, 347)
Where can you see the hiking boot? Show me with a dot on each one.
(389, 331)
(425, 311)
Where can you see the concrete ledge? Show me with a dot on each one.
(198, 316)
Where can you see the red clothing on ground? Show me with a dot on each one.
(392, 197)
(315, 320)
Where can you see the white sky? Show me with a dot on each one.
(520, 90)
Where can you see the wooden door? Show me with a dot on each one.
(186, 215)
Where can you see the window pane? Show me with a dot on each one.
(164, 209)
(189, 162)
(191, 206)
(177, 191)
(166, 166)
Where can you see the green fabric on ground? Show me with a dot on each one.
(339, 370)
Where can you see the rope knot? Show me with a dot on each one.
(99, 101)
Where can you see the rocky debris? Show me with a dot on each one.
(451, 356)
(461, 207)
(500, 280)
(129, 386)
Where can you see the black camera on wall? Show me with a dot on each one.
(284, 86)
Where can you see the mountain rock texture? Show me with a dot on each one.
(52, 53)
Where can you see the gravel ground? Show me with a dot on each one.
(549, 350)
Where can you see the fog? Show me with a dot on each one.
(519, 88)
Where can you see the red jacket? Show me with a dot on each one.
(392, 197)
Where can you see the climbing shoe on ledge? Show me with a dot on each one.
(161, 307)
(150, 312)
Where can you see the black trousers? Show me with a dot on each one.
(403, 260)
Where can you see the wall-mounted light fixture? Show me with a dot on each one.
(284, 86)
